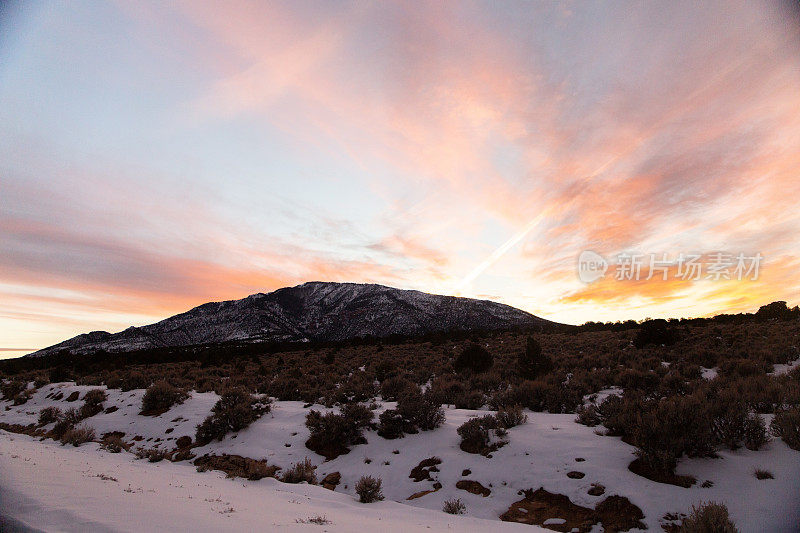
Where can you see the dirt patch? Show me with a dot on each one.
(423, 470)
(111, 409)
(421, 493)
(575, 475)
(30, 429)
(486, 451)
(236, 466)
(639, 467)
(58, 396)
(72, 397)
(331, 480)
(616, 513)
(473, 487)
(596, 490)
(466, 472)
(540, 505)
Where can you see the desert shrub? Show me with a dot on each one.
(709, 517)
(454, 506)
(113, 443)
(532, 363)
(332, 433)
(153, 455)
(12, 389)
(133, 380)
(421, 411)
(545, 394)
(474, 433)
(48, 415)
(762, 474)
(68, 419)
(728, 421)
(662, 429)
(391, 424)
(160, 397)
(588, 415)
(654, 332)
(301, 471)
(395, 386)
(58, 374)
(755, 432)
(235, 410)
(743, 367)
(786, 426)
(183, 442)
(369, 489)
(357, 414)
(475, 358)
(93, 403)
(359, 387)
(509, 417)
(78, 435)
(473, 399)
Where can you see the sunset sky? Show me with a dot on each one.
(158, 155)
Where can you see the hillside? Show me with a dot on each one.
(314, 311)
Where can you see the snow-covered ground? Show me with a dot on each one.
(58, 482)
(52, 488)
(785, 368)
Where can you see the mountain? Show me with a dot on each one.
(314, 311)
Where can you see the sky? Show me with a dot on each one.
(158, 155)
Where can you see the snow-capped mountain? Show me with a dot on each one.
(314, 311)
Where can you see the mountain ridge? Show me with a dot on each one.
(312, 311)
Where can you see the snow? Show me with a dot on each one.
(52, 488)
(709, 373)
(540, 453)
(785, 368)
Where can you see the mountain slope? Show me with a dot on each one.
(314, 311)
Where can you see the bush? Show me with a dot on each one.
(654, 332)
(786, 426)
(421, 411)
(93, 403)
(509, 417)
(369, 489)
(391, 424)
(78, 435)
(670, 427)
(394, 387)
(332, 433)
(357, 414)
(455, 506)
(12, 389)
(154, 455)
(113, 443)
(588, 415)
(301, 471)
(532, 363)
(68, 419)
(134, 380)
(755, 432)
(160, 397)
(475, 433)
(48, 415)
(235, 410)
(710, 517)
(475, 358)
